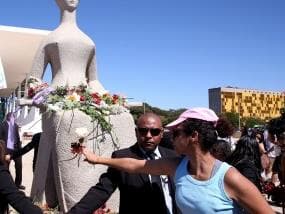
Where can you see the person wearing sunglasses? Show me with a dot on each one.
(139, 193)
(203, 183)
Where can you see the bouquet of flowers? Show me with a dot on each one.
(97, 106)
(63, 98)
(35, 85)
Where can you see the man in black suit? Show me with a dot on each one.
(34, 144)
(139, 193)
(10, 194)
(9, 132)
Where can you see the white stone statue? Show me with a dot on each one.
(70, 52)
(58, 177)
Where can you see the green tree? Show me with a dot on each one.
(252, 121)
(232, 117)
(167, 116)
(282, 111)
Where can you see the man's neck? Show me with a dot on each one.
(147, 151)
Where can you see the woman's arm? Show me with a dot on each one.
(164, 166)
(282, 179)
(261, 148)
(276, 170)
(91, 75)
(22, 151)
(245, 193)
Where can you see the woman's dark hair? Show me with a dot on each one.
(221, 150)
(244, 131)
(276, 126)
(257, 134)
(246, 148)
(2, 152)
(224, 128)
(206, 130)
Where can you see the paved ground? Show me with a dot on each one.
(28, 175)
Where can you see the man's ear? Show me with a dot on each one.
(162, 132)
(136, 130)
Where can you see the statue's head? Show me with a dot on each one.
(69, 5)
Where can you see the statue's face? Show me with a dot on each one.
(69, 5)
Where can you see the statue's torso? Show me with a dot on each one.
(69, 52)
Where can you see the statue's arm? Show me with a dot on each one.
(40, 62)
(91, 75)
(91, 72)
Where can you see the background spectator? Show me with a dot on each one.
(9, 132)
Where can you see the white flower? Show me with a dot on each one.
(32, 85)
(103, 104)
(81, 132)
(106, 111)
(54, 107)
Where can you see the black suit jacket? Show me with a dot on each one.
(4, 135)
(9, 193)
(136, 193)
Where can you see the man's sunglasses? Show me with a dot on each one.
(153, 131)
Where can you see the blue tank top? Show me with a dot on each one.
(194, 196)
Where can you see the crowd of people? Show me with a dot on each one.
(204, 171)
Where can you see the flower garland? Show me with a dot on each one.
(98, 107)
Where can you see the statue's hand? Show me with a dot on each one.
(24, 102)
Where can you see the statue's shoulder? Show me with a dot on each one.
(86, 38)
(60, 35)
(50, 38)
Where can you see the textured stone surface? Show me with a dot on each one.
(72, 178)
(72, 57)
(69, 51)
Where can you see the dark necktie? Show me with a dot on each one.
(155, 179)
(157, 186)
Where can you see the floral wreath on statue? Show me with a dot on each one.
(63, 98)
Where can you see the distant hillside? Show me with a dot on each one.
(167, 116)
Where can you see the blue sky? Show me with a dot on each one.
(168, 53)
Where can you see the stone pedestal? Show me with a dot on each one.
(65, 179)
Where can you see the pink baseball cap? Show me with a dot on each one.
(195, 113)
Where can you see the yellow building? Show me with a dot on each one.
(246, 102)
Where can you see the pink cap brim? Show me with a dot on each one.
(175, 122)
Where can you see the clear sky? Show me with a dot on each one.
(168, 53)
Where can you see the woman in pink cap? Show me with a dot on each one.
(203, 183)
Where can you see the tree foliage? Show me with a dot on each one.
(232, 117)
(166, 116)
(282, 111)
(245, 121)
(252, 121)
